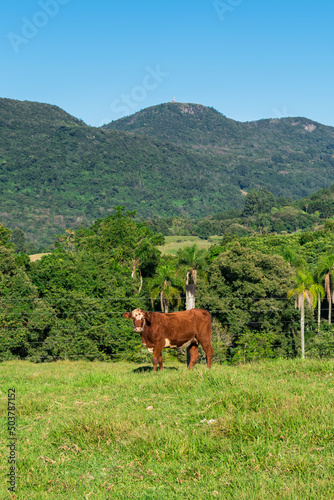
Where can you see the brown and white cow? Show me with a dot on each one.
(177, 329)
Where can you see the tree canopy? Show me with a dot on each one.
(70, 303)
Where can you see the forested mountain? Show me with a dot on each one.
(168, 160)
(290, 156)
(272, 142)
(185, 124)
(55, 172)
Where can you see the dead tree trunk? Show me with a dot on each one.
(190, 304)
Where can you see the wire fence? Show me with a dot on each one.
(6, 302)
(66, 320)
(128, 299)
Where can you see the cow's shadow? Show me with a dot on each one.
(142, 369)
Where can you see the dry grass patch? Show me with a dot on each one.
(37, 256)
(175, 243)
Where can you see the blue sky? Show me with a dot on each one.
(101, 60)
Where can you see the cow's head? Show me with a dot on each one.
(139, 318)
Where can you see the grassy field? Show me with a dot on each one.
(174, 243)
(101, 430)
(37, 256)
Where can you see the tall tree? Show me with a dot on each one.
(325, 271)
(166, 286)
(320, 291)
(18, 239)
(246, 288)
(306, 289)
(125, 240)
(191, 260)
(5, 236)
(259, 202)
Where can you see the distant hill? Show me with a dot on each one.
(199, 126)
(290, 156)
(167, 160)
(184, 124)
(56, 172)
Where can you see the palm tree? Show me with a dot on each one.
(191, 260)
(298, 262)
(325, 271)
(166, 286)
(320, 291)
(306, 289)
(145, 258)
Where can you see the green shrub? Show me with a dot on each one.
(322, 344)
(254, 345)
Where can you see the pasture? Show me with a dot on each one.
(37, 256)
(102, 430)
(175, 243)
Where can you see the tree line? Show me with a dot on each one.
(69, 304)
(262, 213)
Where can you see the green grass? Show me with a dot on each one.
(175, 243)
(86, 431)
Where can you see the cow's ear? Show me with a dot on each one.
(148, 316)
(127, 315)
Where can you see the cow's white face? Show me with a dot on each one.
(139, 318)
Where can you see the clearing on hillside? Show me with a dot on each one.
(175, 243)
(37, 256)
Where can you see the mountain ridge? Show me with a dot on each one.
(151, 121)
(58, 172)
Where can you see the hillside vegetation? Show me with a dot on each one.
(263, 213)
(170, 160)
(69, 304)
(283, 155)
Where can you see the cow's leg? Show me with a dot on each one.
(188, 355)
(209, 353)
(193, 354)
(160, 362)
(157, 358)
